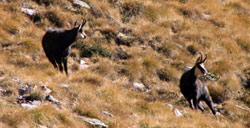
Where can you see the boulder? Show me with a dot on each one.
(53, 100)
(79, 3)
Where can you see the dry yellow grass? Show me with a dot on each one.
(168, 35)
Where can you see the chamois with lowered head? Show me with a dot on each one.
(193, 88)
(57, 44)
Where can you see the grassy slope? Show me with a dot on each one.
(174, 25)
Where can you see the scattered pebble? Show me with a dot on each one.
(108, 114)
(63, 85)
(94, 122)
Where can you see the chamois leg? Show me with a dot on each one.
(52, 60)
(59, 62)
(195, 101)
(208, 101)
(190, 103)
(65, 65)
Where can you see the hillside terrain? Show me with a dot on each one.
(126, 72)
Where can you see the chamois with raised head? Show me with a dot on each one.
(193, 88)
(57, 44)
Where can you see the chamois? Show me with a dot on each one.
(57, 44)
(192, 87)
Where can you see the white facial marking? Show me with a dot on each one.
(81, 35)
(198, 72)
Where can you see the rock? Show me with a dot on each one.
(46, 90)
(108, 114)
(122, 54)
(63, 85)
(40, 126)
(139, 86)
(28, 106)
(242, 108)
(16, 79)
(78, 3)
(83, 64)
(94, 122)
(2, 78)
(29, 12)
(54, 100)
(205, 16)
(25, 89)
(122, 39)
(177, 113)
(171, 106)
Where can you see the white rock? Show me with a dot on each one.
(40, 126)
(28, 11)
(94, 122)
(63, 85)
(81, 4)
(46, 90)
(122, 36)
(171, 106)
(28, 106)
(138, 86)
(36, 102)
(177, 113)
(2, 78)
(83, 64)
(52, 99)
(242, 108)
(108, 114)
(205, 16)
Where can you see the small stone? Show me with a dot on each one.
(83, 64)
(94, 122)
(36, 102)
(2, 78)
(108, 114)
(139, 86)
(63, 85)
(28, 11)
(79, 3)
(177, 113)
(40, 126)
(28, 106)
(46, 90)
(171, 106)
(52, 99)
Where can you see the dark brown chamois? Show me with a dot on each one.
(192, 87)
(57, 43)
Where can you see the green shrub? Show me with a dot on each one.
(89, 51)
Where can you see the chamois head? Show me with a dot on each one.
(200, 70)
(80, 32)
